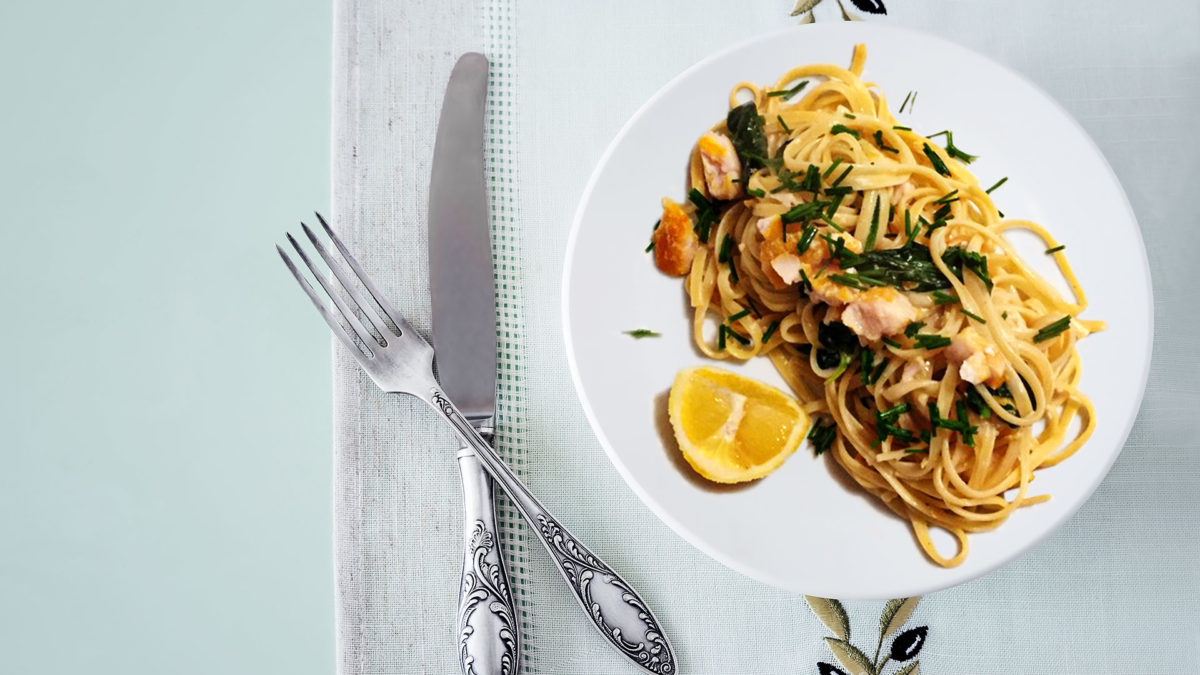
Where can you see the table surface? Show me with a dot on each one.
(165, 495)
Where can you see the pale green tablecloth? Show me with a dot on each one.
(1116, 590)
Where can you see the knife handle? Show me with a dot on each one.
(614, 608)
(488, 641)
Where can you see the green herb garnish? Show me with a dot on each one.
(843, 129)
(900, 128)
(737, 316)
(954, 151)
(891, 343)
(885, 425)
(746, 131)
(756, 193)
(1055, 249)
(779, 118)
(770, 331)
(975, 402)
(789, 93)
(832, 166)
(737, 336)
(641, 333)
(822, 437)
(812, 179)
(911, 329)
(957, 258)
(906, 98)
(881, 144)
(706, 214)
(927, 341)
(870, 243)
(998, 184)
(806, 237)
(972, 315)
(935, 161)
(726, 248)
(1053, 330)
(951, 196)
(941, 298)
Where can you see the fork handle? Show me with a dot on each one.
(488, 642)
(613, 607)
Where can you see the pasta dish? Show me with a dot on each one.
(867, 262)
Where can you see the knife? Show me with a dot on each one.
(464, 339)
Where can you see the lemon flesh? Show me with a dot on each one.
(732, 429)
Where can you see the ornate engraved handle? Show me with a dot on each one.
(615, 609)
(488, 641)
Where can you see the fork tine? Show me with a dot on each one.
(336, 327)
(395, 316)
(338, 271)
(350, 316)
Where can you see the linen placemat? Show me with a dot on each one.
(1115, 590)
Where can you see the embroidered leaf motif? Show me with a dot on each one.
(829, 669)
(832, 614)
(803, 6)
(913, 668)
(895, 613)
(908, 644)
(850, 656)
(870, 6)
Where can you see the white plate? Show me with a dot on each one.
(807, 527)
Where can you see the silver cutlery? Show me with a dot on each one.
(399, 360)
(463, 299)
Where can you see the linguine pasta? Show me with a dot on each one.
(870, 266)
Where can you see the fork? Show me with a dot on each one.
(400, 361)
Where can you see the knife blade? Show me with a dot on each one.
(460, 249)
(464, 341)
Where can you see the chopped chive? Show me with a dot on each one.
(977, 404)
(850, 115)
(753, 307)
(1053, 329)
(805, 282)
(770, 331)
(789, 93)
(900, 128)
(881, 144)
(842, 190)
(822, 437)
(935, 161)
(737, 336)
(641, 333)
(843, 176)
(866, 363)
(927, 341)
(812, 179)
(737, 316)
(951, 196)
(756, 193)
(843, 129)
(978, 318)
(721, 337)
(869, 245)
(941, 298)
(783, 124)
(1056, 249)
(649, 247)
(909, 233)
(806, 238)
(909, 451)
(831, 167)
(911, 329)
(998, 184)
(908, 96)
(892, 343)
(733, 275)
(954, 151)
(726, 247)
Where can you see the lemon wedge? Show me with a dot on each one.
(732, 429)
